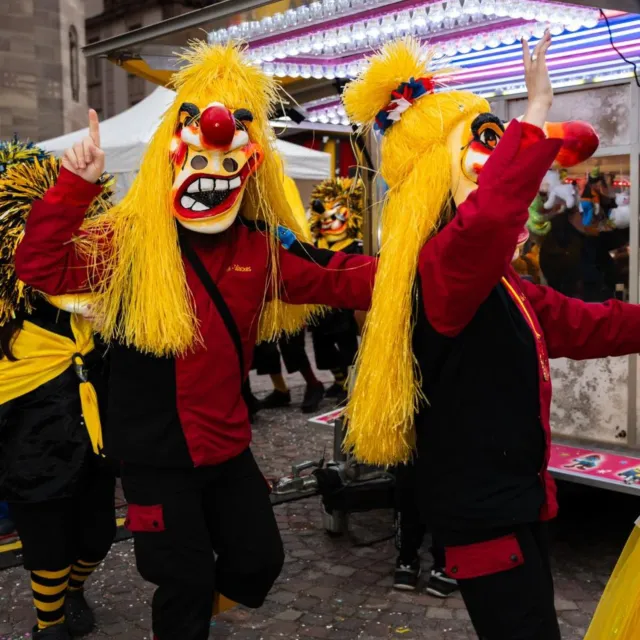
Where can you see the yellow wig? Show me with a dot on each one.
(415, 163)
(144, 300)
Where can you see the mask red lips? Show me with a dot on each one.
(205, 195)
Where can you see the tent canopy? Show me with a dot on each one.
(124, 139)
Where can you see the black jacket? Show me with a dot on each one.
(43, 442)
(480, 442)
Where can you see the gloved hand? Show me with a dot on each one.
(286, 237)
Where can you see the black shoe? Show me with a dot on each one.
(80, 619)
(312, 397)
(440, 585)
(253, 404)
(56, 632)
(407, 575)
(334, 390)
(276, 399)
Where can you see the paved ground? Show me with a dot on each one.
(331, 589)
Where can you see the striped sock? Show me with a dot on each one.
(80, 571)
(49, 590)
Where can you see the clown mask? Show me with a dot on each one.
(213, 158)
(475, 138)
(336, 211)
(334, 216)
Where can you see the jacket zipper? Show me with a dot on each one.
(519, 300)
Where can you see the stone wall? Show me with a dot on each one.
(35, 96)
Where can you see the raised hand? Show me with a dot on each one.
(536, 76)
(86, 158)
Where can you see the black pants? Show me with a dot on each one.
(516, 604)
(410, 528)
(181, 518)
(56, 533)
(266, 356)
(335, 351)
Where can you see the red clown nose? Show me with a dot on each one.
(218, 126)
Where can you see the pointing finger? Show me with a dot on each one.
(94, 127)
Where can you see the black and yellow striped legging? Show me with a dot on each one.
(49, 591)
(50, 588)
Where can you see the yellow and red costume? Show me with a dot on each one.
(190, 269)
(454, 364)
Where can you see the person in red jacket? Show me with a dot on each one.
(465, 343)
(200, 256)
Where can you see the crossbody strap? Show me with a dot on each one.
(215, 295)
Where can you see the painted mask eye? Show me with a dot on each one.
(489, 136)
(487, 130)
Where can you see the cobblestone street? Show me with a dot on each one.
(332, 589)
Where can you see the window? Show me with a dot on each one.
(73, 64)
(94, 70)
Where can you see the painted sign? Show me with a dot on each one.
(601, 466)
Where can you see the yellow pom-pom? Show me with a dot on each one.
(396, 63)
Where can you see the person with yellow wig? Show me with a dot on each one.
(52, 370)
(200, 260)
(453, 370)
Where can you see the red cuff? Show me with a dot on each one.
(72, 190)
(530, 135)
(145, 518)
(483, 558)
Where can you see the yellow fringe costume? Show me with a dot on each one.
(145, 301)
(27, 179)
(40, 355)
(618, 614)
(415, 164)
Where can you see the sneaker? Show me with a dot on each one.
(276, 399)
(80, 619)
(407, 575)
(56, 632)
(440, 585)
(312, 397)
(334, 390)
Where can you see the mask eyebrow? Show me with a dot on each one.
(187, 113)
(242, 117)
(485, 118)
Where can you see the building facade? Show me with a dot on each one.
(43, 92)
(111, 90)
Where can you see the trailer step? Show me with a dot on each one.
(596, 467)
(592, 466)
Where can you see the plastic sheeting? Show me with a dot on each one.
(618, 614)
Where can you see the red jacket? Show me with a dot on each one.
(187, 411)
(485, 340)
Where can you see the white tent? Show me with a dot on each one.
(124, 139)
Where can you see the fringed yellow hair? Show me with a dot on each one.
(145, 301)
(350, 193)
(415, 163)
(29, 175)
